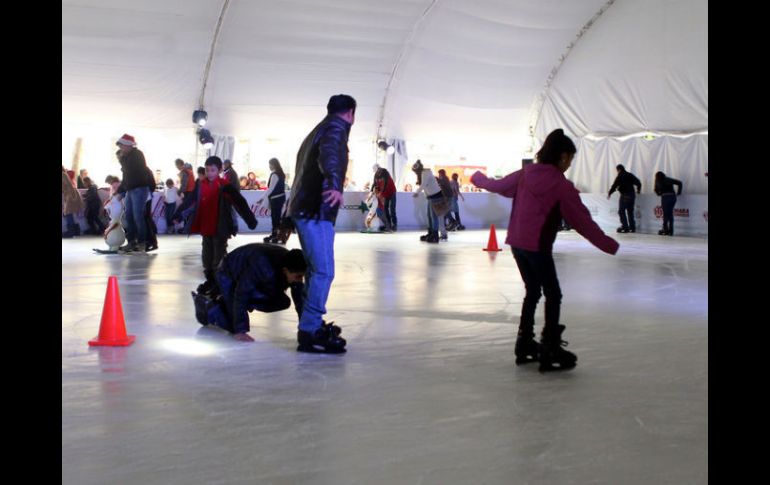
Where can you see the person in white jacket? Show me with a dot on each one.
(437, 204)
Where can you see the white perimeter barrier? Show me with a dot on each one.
(478, 211)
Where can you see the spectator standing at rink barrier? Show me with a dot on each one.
(94, 209)
(231, 175)
(186, 177)
(276, 197)
(73, 203)
(456, 194)
(170, 199)
(664, 187)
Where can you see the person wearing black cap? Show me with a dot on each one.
(316, 196)
(625, 183)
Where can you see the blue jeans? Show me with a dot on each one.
(136, 229)
(169, 213)
(668, 201)
(435, 223)
(626, 211)
(317, 240)
(390, 211)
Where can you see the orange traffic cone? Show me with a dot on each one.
(492, 244)
(112, 331)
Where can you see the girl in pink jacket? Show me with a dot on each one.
(542, 195)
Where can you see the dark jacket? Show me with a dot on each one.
(625, 183)
(251, 278)
(229, 199)
(93, 202)
(232, 178)
(134, 170)
(446, 187)
(322, 161)
(666, 186)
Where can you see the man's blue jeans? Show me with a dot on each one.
(136, 229)
(626, 206)
(317, 240)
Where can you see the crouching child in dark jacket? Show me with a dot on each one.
(253, 277)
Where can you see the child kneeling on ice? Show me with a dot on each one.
(253, 277)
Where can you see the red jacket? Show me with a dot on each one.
(542, 195)
(205, 222)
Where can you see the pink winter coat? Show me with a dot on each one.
(542, 195)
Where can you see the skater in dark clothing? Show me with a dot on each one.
(208, 212)
(446, 188)
(664, 187)
(252, 277)
(316, 197)
(276, 195)
(93, 210)
(456, 194)
(625, 183)
(541, 197)
(152, 228)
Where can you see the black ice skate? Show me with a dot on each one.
(322, 342)
(527, 349)
(552, 355)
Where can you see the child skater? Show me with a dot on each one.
(542, 195)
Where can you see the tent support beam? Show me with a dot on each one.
(397, 64)
(537, 105)
(211, 52)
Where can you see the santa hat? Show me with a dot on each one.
(126, 139)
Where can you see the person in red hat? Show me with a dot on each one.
(135, 186)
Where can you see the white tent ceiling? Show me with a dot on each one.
(449, 72)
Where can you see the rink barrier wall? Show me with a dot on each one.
(478, 211)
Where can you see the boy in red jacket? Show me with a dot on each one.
(208, 212)
(542, 195)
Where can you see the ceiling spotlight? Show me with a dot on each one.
(389, 149)
(200, 117)
(204, 136)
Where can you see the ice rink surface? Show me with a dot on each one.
(428, 392)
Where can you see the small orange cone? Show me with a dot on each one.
(492, 244)
(112, 331)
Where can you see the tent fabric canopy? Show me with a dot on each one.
(461, 74)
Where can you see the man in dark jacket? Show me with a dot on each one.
(625, 183)
(93, 208)
(136, 187)
(316, 196)
(231, 175)
(253, 277)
